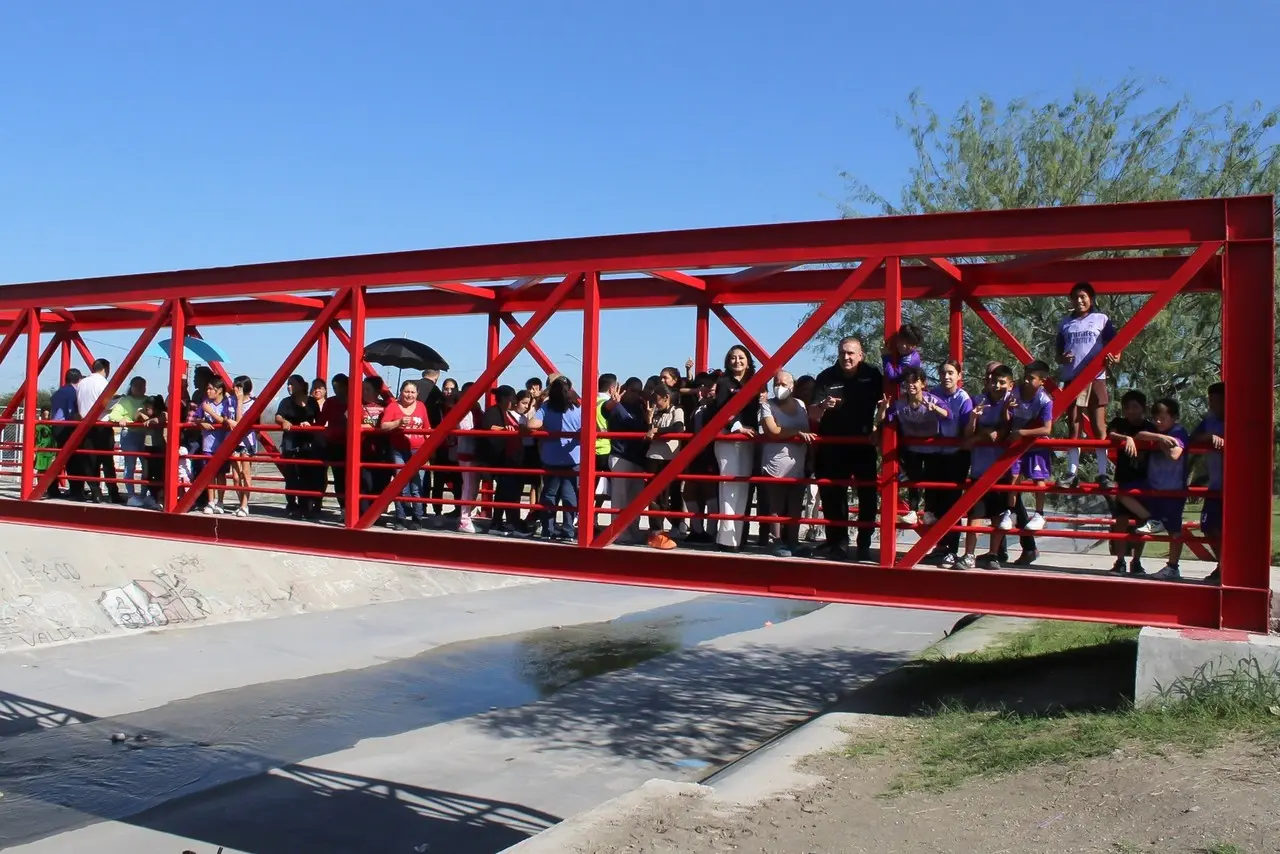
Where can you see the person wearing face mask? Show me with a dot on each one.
(846, 396)
(785, 421)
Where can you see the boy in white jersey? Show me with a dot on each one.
(1081, 335)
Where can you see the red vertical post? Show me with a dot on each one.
(957, 329)
(322, 356)
(177, 375)
(889, 438)
(64, 362)
(30, 406)
(1247, 342)
(702, 339)
(355, 405)
(587, 452)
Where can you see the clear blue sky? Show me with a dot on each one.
(138, 136)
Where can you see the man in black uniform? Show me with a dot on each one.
(846, 395)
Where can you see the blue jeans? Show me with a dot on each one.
(412, 489)
(557, 489)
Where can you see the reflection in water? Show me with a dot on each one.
(54, 778)
(551, 659)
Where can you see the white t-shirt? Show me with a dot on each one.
(88, 391)
(784, 459)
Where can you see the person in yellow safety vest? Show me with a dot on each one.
(607, 390)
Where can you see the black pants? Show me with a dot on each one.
(915, 466)
(1020, 517)
(843, 462)
(153, 468)
(102, 465)
(507, 490)
(74, 466)
(303, 478)
(946, 468)
(337, 456)
(442, 479)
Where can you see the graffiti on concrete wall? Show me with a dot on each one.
(164, 600)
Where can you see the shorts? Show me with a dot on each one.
(993, 504)
(1118, 510)
(1094, 396)
(1036, 465)
(1167, 511)
(1211, 517)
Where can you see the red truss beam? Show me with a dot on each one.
(469, 399)
(1108, 275)
(90, 419)
(1124, 337)
(1144, 225)
(1232, 252)
(750, 389)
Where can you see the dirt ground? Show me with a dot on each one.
(1226, 801)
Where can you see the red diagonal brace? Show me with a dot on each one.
(45, 356)
(751, 388)
(464, 290)
(1153, 306)
(266, 396)
(83, 349)
(470, 398)
(680, 279)
(345, 340)
(731, 323)
(290, 299)
(1021, 353)
(90, 419)
(11, 335)
(539, 356)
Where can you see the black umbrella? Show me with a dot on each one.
(405, 354)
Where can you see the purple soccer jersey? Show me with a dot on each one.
(1083, 338)
(916, 421)
(959, 404)
(894, 366)
(992, 416)
(1032, 412)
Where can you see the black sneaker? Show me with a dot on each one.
(1105, 481)
(1214, 577)
(831, 551)
(395, 525)
(988, 562)
(412, 525)
(1169, 573)
(948, 561)
(1120, 567)
(1027, 558)
(1136, 568)
(1069, 481)
(939, 555)
(863, 555)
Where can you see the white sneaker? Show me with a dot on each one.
(208, 510)
(929, 519)
(134, 501)
(1035, 522)
(1006, 521)
(242, 512)
(1150, 527)
(910, 519)
(218, 509)
(466, 528)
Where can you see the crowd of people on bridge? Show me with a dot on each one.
(766, 454)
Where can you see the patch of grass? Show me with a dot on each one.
(1222, 848)
(1051, 636)
(960, 741)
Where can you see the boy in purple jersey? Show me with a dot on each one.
(948, 463)
(986, 420)
(1081, 335)
(1211, 432)
(917, 414)
(1166, 472)
(1029, 415)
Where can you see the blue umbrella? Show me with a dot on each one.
(194, 350)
